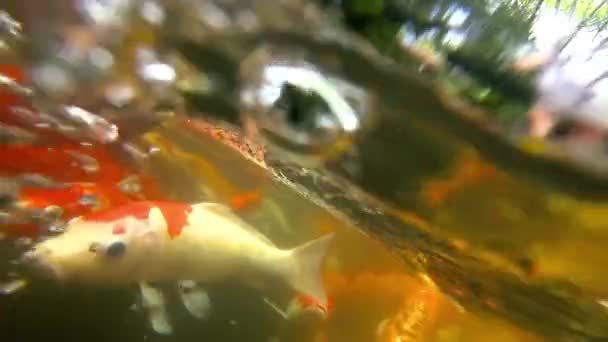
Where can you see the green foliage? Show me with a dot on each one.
(494, 31)
(365, 7)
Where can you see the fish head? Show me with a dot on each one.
(114, 252)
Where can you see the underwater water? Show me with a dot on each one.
(448, 226)
(374, 295)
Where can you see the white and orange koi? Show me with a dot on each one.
(166, 241)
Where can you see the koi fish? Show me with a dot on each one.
(302, 304)
(166, 241)
(303, 320)
(245, 200)
(412, 320)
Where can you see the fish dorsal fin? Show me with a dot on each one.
(225, 212)
(217, 208)
(156, 219)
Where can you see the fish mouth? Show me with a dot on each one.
(37, 265)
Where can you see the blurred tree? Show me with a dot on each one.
(479, 38)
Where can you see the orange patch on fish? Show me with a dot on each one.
(176, 214)
(308, 302)
(138, 210)
(245, 200)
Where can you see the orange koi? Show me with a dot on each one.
(213, 244)
(245, 200)
(412, 320)
(470, 170)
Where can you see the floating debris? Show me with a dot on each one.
(10, 287)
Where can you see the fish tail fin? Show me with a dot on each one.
(305, 275)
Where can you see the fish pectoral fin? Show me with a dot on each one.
(153, 302)
(195, 298)
(217, 208)
(275, 308)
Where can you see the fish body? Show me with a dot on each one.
(167, 241)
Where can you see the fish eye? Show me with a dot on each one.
(116, 249)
